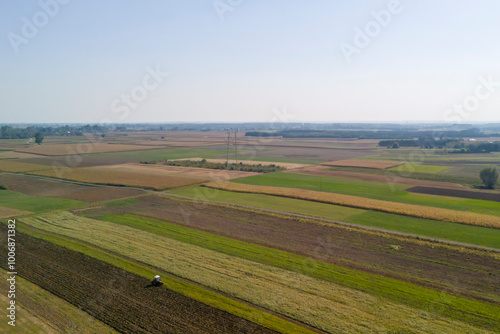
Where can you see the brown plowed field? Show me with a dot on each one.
(473, 274)
(456, 193)
(323, 171)
(46, 188)
(116, 297)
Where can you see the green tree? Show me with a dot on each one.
(395, 145)
(489, 176)
(38, 138)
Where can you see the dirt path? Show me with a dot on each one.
(118, 298)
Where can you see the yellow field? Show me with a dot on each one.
(109, 176)
(419, 211)
(9, 212)
(19, 167)
(324, 305)
(376, 164)
(81, 148)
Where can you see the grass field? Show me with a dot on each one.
(475, 235)
(9, 212)
(335, 308)
(15, 200)
(369, 189)
(39, 311)
(15, 166)
(411, 168)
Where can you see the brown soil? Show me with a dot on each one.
(45, 188)
(118, 298)
(474, 274)
(323, 171)
(456, 193)
(363, 163)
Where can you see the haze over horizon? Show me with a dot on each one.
(249, 61)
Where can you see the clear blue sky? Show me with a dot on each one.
(263, 56)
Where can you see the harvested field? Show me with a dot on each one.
(323, 171)
(9, 212)
(487, 196)
(103, 175)
(16, 155)
(15, 166)
(118, 298)
(324, 305)
(47, 188)
(81, 148)
(298, 153)
(197, 174)
(376, 164)
(412, 210)
(333, 243)
(77, 161)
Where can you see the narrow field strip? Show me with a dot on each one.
(39, 311)
(412, 210)
(317, 302)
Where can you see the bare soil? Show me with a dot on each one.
(46, 188)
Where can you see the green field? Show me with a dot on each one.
(249, 272)
(15, 200)
(475, 235)
(375, 190)
(414, 168)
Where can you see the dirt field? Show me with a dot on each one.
(15, 166)
(199, 174)
(116, 297)
(442, 267)
(457, 193)
(363, 164)
(46, 188)
(132, 178)
(323, 171)
(81, 148)
(8, 212)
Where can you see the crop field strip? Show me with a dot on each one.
(412, 210)
(375, 164)
(107, 176)
(337, 244)
(119, 298)
(81, 148)
(495, 197)
(385, 191)
(252, 281)
(39, 311)
(34, 186)
(467, 234)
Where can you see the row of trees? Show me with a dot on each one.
(9, 132)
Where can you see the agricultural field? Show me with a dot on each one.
(376, 164)
(81, 148)
(346, 239)
(338, 307)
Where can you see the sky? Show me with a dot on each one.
(90, 61)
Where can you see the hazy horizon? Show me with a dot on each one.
(249, 61)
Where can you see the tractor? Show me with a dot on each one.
(156, 281)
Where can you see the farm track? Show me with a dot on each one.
(118, 298)
(411, 235)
